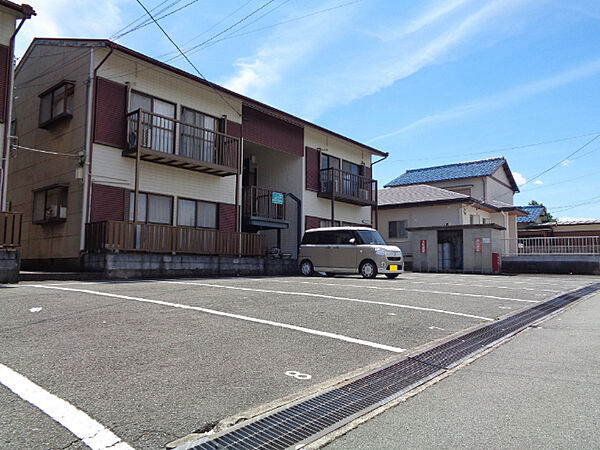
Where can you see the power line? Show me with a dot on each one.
(148, 22)
(135, 21)
(503, 149)
(562, 160)
(187, 59)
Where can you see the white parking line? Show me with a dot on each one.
(482, 286)
(424, 291)
(339, 337)
(308, 294)
(93, 434)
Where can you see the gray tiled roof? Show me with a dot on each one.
(417, 193)
(469, 169)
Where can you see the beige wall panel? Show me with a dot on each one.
(336, 147)
(498, 191)
(277, 170)
(321, 207)
(476, 185)
(7, 25)
(109, 167)
(166, 85)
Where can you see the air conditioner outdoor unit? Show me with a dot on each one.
(363, 194)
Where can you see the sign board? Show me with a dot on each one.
(423, 246)
(477, 245)
(487, 240)
(277, 198)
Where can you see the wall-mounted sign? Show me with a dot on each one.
(487, 240)
(423, 246)
(277, 198)
(477, 245)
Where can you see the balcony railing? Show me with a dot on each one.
(347, 187)
(114, 235)
(10, 229)
(568, 245)
(168, 141)
(263, 203)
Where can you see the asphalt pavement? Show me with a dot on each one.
(155, 360)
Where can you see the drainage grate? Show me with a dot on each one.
(308, 419)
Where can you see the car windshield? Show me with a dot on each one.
(370, 237)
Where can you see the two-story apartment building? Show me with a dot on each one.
(139, 156)
(451, 217)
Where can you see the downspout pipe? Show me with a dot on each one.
(376, 224)
(8, 101)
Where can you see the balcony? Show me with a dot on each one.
(347, 187)
(10, 229)
(263, 208)
(112, 235)
(168, 141)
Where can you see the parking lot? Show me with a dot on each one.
(154, 360)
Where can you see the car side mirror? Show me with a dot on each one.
(352, 241)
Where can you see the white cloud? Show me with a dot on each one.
(565, 163)
(520, 179)
(568, 219)
(70, 18)
(501, 99)
(538, 182)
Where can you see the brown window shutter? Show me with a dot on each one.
(312, 169)
(108, 203)
(368, 172)
(110, 119)
(4, 76)
(226, 217)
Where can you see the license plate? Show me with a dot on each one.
(394, 268)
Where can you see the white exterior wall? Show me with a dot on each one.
(320, 207)
(7, 24)
(499, 190)
(424, 216)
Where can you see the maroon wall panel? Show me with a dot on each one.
(110, 127)
(267, 130)
(368, 172)
(311, 222)
(4, 68)
(108, 203)
(234, 129)
(312, 169)
(226, 217)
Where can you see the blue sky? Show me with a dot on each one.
(431, 82)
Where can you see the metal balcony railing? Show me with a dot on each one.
(169, 141)
(264, 203)
(347, 186)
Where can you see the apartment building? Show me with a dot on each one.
(142, 157)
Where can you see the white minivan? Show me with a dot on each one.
(349, 250)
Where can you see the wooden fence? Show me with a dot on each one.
(10, 229)
(113, 235)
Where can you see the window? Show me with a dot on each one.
(332, 163)
(198, 137)
(327, 223)
(158, 130)
(56, 103)
(195, 213)
(475, 219)
(370, 237)
(152, 208)
(397, 229)
(50, 204)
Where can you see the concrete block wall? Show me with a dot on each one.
(151, 265)
(10, 264)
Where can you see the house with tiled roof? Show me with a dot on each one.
(485, 179)
(455, 217)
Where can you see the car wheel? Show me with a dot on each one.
(330, 274)
(391, 275)
(306, 268)
(368, 269)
